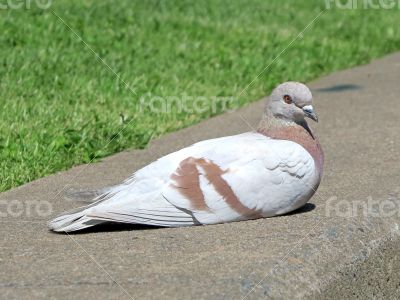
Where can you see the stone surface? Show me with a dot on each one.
(319, 251)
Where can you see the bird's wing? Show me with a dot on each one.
(233, 178)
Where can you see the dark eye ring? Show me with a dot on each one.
(287, 99)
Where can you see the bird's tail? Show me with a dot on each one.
(79, 218)
(73, 220)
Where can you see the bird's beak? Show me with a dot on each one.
(309, 112)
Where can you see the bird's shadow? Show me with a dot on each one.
(111, 227)
(119, 227)
(304, 209)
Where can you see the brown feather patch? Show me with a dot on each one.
(187, 179)
(214, 175)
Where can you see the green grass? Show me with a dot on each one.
(61, 106)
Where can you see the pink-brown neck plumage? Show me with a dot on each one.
(279, 129)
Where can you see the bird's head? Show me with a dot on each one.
(292, 101)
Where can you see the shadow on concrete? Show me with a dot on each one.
(304, 209)
(111, 227)
(340, 88)
(117, 227)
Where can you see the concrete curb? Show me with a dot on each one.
(319, 252)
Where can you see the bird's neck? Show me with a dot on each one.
(298, 132)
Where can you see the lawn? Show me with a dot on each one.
(62, 106)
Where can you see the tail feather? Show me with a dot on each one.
(78, 218)
(73, 220)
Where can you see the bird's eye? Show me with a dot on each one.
(287, 99)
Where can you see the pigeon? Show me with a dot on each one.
(264, 173)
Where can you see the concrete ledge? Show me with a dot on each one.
(319, 251)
